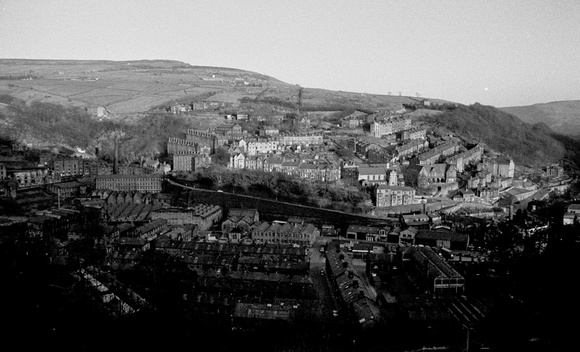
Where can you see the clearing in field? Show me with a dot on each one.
(132, 86)
(226, 97)
(160, 89)
(104, 92)
(137, 104)
(103, 100)
(72, 90)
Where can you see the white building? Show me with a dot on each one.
(262, 147)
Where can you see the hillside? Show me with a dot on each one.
(527, 144)
(51, 102)
(133, 87)
(47, 125)
(561, 116)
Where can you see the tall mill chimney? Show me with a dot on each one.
(116, 160)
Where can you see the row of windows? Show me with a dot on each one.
(275, 235)
(384, 193)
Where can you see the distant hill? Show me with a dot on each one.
(561, 116)
(132, 87)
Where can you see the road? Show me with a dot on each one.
(359, 267)
(320, 281)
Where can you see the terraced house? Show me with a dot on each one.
(312, 169)
(433, 155)
(151, 230)
(255, 162)
(300, 234)
(301, 139)
(319, 171)
(409, 148)
(468, 157)
(413, 133)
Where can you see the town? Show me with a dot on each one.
(438, 221)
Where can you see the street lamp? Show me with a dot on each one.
(467, 342)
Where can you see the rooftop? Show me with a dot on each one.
(442, 235)
(128, 176)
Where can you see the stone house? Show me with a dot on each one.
(387, 196)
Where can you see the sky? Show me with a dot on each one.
(495, 52)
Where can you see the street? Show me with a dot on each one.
(320, 281)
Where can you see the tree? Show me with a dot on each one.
(221, 157)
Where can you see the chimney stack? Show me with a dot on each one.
(116, 160)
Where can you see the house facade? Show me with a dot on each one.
(387, 196)
(190, 162)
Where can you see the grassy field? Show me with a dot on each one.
(133, 87)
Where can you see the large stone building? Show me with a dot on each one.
(501, 167)
(180, 146)
(300, 234)
(231, 132)
(572, 214)
(69, 166)
(33, 176)
(372, 174)
(190, 162)
(142, 183)
(202, 215)
(436, 173)
(97, 167)
(390, 125)
(131, 169)
(202, 138)
(555, 171)
(432, 272)
(263, 146)
(387, 196)
(67, 189)
(195, 141)
(301, 139)
(269, 131)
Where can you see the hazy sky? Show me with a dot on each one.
(501, 53)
